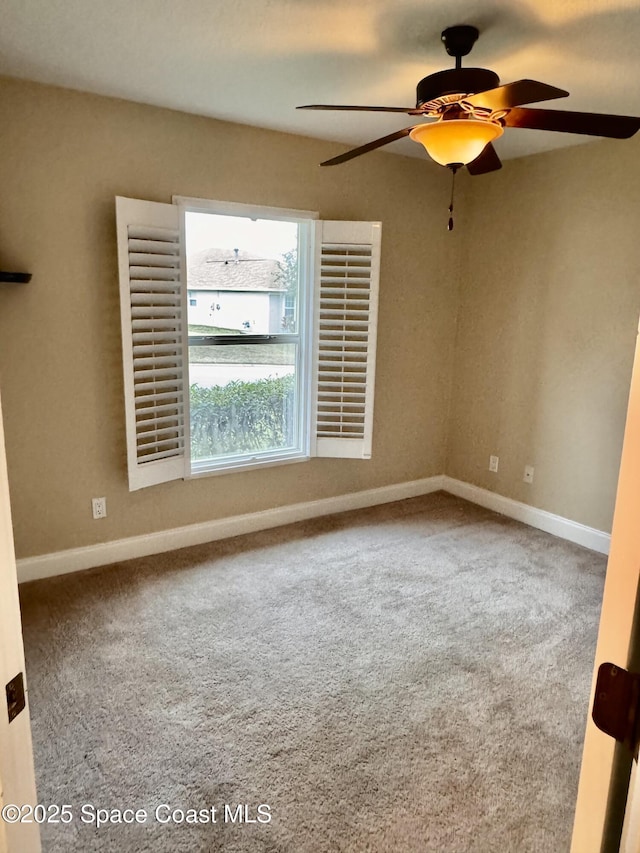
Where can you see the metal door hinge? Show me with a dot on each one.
(616, 705)
(15, 696)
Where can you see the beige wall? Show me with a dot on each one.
(549, 307)
(63, 158)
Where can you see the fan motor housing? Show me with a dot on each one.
(455, 81)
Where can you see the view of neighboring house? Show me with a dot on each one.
(233, 289)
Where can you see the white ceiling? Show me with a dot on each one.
(253, 61)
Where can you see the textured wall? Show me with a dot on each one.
(63, 158)
(549, 306)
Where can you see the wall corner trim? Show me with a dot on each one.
(91, 556)
(573, 531)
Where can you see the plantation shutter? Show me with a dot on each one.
(347, 276)
(149, 261)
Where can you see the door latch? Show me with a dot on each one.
(616, 705)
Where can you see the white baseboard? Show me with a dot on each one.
(589, 537)
(78, 559)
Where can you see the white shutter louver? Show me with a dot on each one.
(153, 343)
(347, 277)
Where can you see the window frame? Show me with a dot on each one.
(305, 220)
(152, 291)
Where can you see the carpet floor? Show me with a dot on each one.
(410, 677)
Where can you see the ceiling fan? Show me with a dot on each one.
(471, 110)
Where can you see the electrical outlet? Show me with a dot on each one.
(99, 506)
(493, 464)
(528, 474)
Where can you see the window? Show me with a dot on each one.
(275, 360)
(289, 312)
(248, 374)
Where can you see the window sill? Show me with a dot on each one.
(207, 469)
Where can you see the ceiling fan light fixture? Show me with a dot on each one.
(456, 141)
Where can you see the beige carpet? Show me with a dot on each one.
(412, 677)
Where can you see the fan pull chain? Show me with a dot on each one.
(454, 169)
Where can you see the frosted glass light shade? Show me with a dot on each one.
(456, 140)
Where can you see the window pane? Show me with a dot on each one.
(242, 279)
(243, 399)
(242, 274)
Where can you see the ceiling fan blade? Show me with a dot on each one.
(591, 124)
(488, 161)
(370, 146)
(514, 94)
(410, 110)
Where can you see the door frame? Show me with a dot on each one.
(17, 778)
(601, 758)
